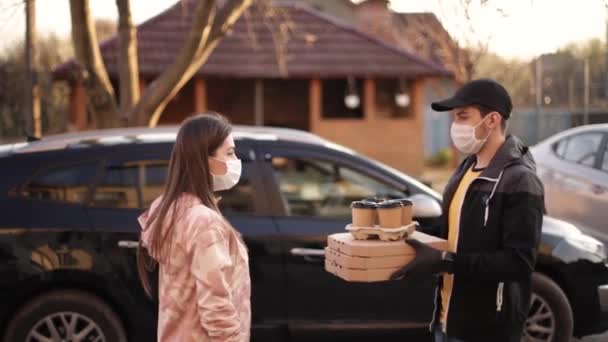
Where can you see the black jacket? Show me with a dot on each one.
(500, 227)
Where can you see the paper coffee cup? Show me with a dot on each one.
(390, 214)
(364, 213)
(407, 211)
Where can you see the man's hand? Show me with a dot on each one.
(427, 261)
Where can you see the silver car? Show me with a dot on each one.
(573, 166)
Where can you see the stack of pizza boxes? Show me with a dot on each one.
(373, 247)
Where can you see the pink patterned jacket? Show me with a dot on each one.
(204, 287)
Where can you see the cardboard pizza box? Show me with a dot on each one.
(345, 243)
(354, 275)
(366, 263)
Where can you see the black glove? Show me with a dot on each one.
(428, 261)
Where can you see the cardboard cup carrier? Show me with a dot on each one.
(372, 253)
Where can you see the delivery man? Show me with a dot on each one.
(492, 216)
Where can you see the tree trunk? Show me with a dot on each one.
(32, 88)
(100, 94)
(207, 30)
(128, 69)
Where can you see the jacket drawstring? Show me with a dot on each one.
(499, 292)
(432, 324)
(487, 209)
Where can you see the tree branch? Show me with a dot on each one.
(224, 20)
(128, 69)
(171, 80)
(100, 94)
(227, 16)
(207, 29)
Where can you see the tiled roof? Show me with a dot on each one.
(317, 46)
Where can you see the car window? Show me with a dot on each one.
(320, 188)
(560, 147)
(136, 184)
(582, 149)
(239, 199)
(68, 183)
(130, 185)
(605, 160)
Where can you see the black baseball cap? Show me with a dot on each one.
(482, 92)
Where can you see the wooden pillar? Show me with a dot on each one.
(258, 103)
(369, 99)
(78, 106)
(417, 100)
(200, 95)
(315, 105)
(417, 107)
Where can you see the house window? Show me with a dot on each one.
(334, 93)
(393, 98)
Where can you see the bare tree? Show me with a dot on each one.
(473, 42)
(100, 94)
(208, 27)
(105, 28)
(212, 19)
(281, 28)
(128, 69)
(32, 92)
(424, 34)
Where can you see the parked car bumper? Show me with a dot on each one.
(603, 296)
(581, 282)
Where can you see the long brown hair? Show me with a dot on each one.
(198, 139)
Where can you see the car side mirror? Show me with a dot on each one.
(425, 206)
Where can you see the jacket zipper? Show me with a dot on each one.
(434, 309)
(447, 310)
(487, 212)
(487, 203)
(499, 292)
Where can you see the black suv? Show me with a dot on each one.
(68, 234)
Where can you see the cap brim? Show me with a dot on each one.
(448, 104)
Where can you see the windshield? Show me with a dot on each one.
(398, 174)
(410, 180)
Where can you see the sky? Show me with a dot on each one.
(527, 29)
(521, 29)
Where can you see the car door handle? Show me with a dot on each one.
(309, 254)
(128, 244)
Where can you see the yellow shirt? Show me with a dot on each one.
(453, 230)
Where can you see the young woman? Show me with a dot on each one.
(204, 285)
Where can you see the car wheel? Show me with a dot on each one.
(550, 315)
(65, 316)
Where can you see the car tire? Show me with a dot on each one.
(66, 312)
(549, 310)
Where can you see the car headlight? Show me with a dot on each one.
(580, 246)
